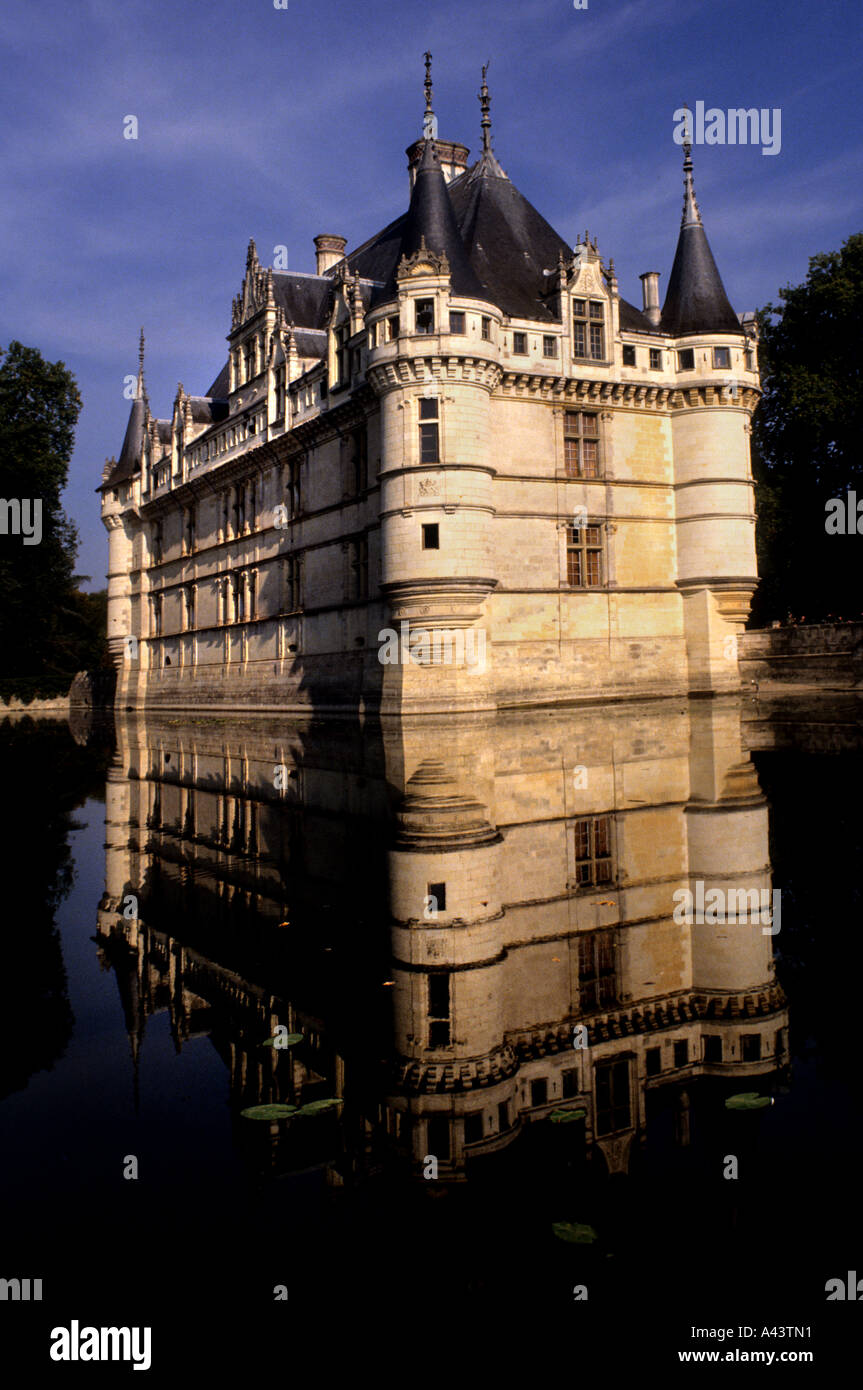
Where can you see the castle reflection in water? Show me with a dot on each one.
(437, 906)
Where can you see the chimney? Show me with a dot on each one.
(650, 294)
(452, 156)
(329, 250)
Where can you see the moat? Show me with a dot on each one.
(464, 928)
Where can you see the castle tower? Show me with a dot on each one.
(434, 364)
(710, 427)
(447, 949)
(120, 524)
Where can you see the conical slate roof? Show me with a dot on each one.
(695, 301)
(430, 219)
(133, 442)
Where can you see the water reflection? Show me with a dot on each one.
(470, 921)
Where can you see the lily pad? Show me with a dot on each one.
(565, 1117)
(279, 1042)
(747, 1100)
(574, 1233)
(268, 1112)
(317, 1107)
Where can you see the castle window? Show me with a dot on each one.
(431, 536)
(249, 359)
(628, 355)
(588, 330)
(279, 407)
(429, 439)
(438, 892)
(439, 1008)
(424, 316)
(188, 530)
(358, 568)
(503, 1115)
(612, 1096)
(569, 1080)
(721, 357)
(156, 542)
(583, 557)
(393, 327)
(749, 359)
(681, 1053)
(593, 859)
(539, 1091)
(252, 579)
(437, 1136)
(473, 1127)
(486, 329)
(751, 1047)
(519, 343)
(549, 345)
(343, 372)
(156, 614)
(712, 1047)
(655, 359)
(189, 606)
(456, 321)
(291, 584)
(581, 443)
(597, 972)
(239, 582)
(653, 1061)
(291, 486)
(685, 360)
(373, 336)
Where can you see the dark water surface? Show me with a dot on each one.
(168, 906)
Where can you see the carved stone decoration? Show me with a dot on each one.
(616, 1152)
(422, 262)
(429, 487)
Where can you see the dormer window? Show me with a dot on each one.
(343, 370)
(425, 316)
(249, 359)
(588, 329)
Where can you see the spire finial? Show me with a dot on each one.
(691, 215)
(140, 390)
(485, 104)
(429, 121)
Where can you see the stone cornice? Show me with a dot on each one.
(435, 370)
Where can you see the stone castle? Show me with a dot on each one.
(451, 469)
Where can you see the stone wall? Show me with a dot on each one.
(823, 654)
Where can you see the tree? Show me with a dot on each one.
(806, 440)
(45, 628)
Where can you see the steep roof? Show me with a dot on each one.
(304, 298)
(695, 301)
(431, 221)
(129, 461)
(510, 244)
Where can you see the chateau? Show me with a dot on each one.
(458, 439)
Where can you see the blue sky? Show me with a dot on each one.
(281, 124)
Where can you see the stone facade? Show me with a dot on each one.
(474, 438)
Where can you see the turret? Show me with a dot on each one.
(711, 411)
(434, 361)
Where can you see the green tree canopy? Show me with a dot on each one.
(806, 440)
(46, 624)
